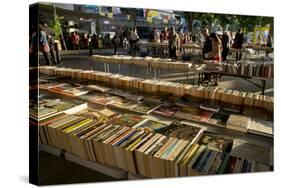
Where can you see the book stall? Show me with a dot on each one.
(133, 128)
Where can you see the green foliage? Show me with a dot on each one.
(55, 24)
(248, 23)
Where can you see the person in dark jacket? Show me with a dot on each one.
(116, 42)
(238, 43)
(225, 45)
(207, 48)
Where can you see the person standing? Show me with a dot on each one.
(225, 45)
(51, 42)
(258, 43)
(134, 37)
(216, 47)
(238, 43)
(154, 38)
(75, 39)
(174, 42)
(207, 47)
(164, 35)
(268, 44)
(43, 44)
(116, 42)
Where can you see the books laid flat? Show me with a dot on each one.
(41, 112)
(238, 123)
(218, 119)
(210, 105)
(144, 108)
(104, 99)
(156, 97)
(76, 91)
(123, 104)
(251, 151)
(98, 88)
(261, 127)
(182, 130)
(205, 116)
(125, 94)
(50, 106)
(150, 125)
(189, 113)
(128, 120)
(216, 142)
(228, 109)
(167, 110)
(190, 101)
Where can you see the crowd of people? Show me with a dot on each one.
(216, 46)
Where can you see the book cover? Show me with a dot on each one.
(216, 142)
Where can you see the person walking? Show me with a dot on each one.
(238, 43)
(174, 43)
(207, 47)
(225, 45)
(43, 44)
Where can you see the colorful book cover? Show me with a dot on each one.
(128, 120)
(216, 142)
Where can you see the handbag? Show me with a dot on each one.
(45, 48)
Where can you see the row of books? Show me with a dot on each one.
(159, 63)
(187, 107)
(146, 147)
(155, 44)
(158, 86)
(265, 70)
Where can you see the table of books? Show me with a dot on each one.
(247, 70)
(152, 131)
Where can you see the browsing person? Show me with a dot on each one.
(207, 47)
(238, 43)
(268, 44)
(216, 47)
(164, 36)
(258, 43)
(116, 42)
(174, 43)
(225, 45)
(134, 37)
